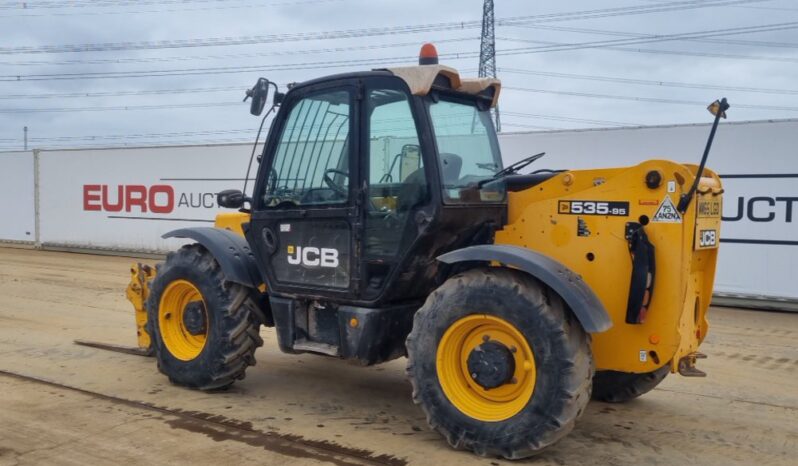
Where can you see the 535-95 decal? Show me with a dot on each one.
(616, 208)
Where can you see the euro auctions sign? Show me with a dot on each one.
(159, 199)
(126, 199)
(156, 199)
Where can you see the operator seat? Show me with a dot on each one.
(412, 191)
(414, 187)
(451, 165)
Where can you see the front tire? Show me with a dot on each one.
(204, 328)
(498, 364)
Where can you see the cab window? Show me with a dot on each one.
(397, 182)
(311, 162)
(468, 151)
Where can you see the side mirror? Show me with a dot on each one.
(259, 93)
(231, 199)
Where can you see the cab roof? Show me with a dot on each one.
(421, 78)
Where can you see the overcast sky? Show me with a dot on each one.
(758, 70)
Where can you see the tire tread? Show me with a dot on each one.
(239, 314)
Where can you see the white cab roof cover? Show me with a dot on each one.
(420, 78)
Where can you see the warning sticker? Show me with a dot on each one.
(667, 213)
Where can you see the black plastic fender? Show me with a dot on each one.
(234, 255)
(574, 291)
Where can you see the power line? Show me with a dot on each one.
(143, 135)
(118, 107)
(117, 11)
(44, 4)
(545, 91)
(117, 61)
(368, 32)
(622, 11)
(646, 82)
(134, 144)
(453, 56)
(647, 99)
(122, 93)
(666, 52)
(703, 54)
(224, 69)
(524, 125)
(755, 43)
(570, 119)
(653, 38)
(242, 40)
(774, 8)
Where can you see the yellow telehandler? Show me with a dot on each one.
(383, 224)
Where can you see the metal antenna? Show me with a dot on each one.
(487, 51)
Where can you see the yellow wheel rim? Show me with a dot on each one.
(180, 342)
(460, 387)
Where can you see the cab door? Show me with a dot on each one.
(305, 216)
(396, 178)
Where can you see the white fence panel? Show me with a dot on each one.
(125, 199)
(758, 162)
(17, 208)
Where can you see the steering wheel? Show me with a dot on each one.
(342, 190)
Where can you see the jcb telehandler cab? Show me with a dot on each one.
(382, 224)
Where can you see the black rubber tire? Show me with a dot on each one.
(563, 359)
(233, 322)
(620, 387)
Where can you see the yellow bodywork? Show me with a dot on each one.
(231, 221)
(595, 247)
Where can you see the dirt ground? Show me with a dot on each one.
(66, 404)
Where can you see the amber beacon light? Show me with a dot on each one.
(428, 55)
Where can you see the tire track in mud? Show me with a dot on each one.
(773, 363)
(220, 428)
(753, 331)
(739, 443)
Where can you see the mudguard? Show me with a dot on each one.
(229, 249)
(574, 291)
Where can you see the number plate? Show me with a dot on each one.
(707, 222)
(708, 207)
(615, 208)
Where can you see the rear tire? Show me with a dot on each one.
(562, 369)
(620, 387)
(218, 352)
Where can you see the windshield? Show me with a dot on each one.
(468, 151)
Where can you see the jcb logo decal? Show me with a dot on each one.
(313, 257)
(707, 238)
